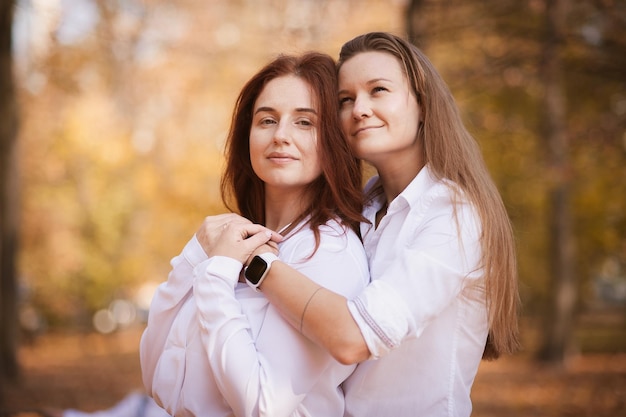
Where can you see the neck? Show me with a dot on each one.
(396, 179)
(397, 169)
(281, 209)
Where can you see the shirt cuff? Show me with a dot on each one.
(193, 252)
(382, 316)
(223, 267)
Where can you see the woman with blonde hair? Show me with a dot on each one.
(443, 291)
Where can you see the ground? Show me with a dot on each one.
(92, 372)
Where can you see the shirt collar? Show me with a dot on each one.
(422, 182)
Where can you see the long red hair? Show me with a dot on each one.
(336, 193)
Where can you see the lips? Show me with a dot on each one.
(281, 157)
(364, 129)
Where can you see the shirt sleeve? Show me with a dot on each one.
(421, 276)
(269, 376)
(134, 404)
(166, 303)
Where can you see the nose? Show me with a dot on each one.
(281, 134)
(361, 108)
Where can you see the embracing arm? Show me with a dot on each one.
(326, 321)
(431, 264)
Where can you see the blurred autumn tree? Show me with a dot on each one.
(8, 202)
(126, 105)
(543, 86)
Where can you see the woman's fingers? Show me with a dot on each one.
(236, 243)
(212, 227)
(220, 220)
(236, 240)
(251, 229)
(257, 240)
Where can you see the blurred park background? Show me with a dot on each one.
(113, 117)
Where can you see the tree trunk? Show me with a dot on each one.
(559, 320)
(8, 204)
(415, 23)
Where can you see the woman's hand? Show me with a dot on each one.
(233, 236)
(269, 246)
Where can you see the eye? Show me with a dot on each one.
(267, 121)
(305, 122)
(344, 100)
(378, 89)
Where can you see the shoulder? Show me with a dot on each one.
(441, 203)
(339, 263)
(334, 236)
(427, 192)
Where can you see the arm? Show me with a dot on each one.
(430, 265)
(166, 303)
(272, 374)
(171, 295)
(327, 320)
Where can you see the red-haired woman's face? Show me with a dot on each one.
(283, 135)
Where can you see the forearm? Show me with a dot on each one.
(165, 305)
(225, 336)
(319, 314)
(254, 374)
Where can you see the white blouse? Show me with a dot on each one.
(215, 347)
(424, 315)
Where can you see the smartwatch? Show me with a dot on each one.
(256, 272)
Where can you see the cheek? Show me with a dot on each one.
(313, 164)
(258, 141)
(253, 149)
(345, 119)
(256, 149)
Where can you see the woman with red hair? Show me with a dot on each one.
(214, 346)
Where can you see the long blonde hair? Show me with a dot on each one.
(453, 154)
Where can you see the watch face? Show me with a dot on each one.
(256, 269)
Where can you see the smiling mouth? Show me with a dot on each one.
(364, 129)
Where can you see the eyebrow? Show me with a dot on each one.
(369, 82)
(298, 110)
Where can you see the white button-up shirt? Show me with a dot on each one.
(222, 350)
(424, 315)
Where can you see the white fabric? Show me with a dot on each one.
(424, 315)
(133, 405)
(226, 351)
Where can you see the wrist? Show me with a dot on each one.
(259, 267)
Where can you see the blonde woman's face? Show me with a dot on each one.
(379, 112)
(283, 135)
